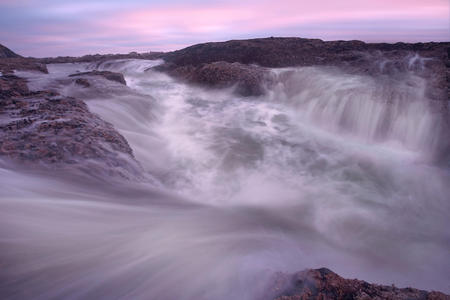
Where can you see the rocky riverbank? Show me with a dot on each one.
(45, 129)
(49, 130)
(323, 284)
(430, 60)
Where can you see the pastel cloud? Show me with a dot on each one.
(65, 27)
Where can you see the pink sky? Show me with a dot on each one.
(74, 28)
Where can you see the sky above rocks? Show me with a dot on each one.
(61, 27)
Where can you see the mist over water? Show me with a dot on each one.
(327, 169)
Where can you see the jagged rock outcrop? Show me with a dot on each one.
(285, 52)
(352, 56)
(7, 53)
(10, 61)
(323, 284)
(48, 130)
(112, 76)
(248, 80)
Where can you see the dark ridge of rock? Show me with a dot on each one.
(285, 52)
(249, 80)
(7, 53)
(83, 82)
(323, 284)
(112, 76)
(8, 65)
(351, 56)
(47, 129)
(100, 57)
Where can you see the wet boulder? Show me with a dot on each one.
(112, 76)
(248, 80)
(82, 82)
(45, 129)
(324, 284)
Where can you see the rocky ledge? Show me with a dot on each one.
(248, 80)
(429, 60)
(323, 284)
(111, 76)
(98, 58)
(45, 129)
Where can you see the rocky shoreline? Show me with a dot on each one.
(46, 129)
(43, 129)
(323, 284)
(352, 56)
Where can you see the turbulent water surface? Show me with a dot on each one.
(327, 169)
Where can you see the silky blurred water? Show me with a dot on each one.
(327, 169)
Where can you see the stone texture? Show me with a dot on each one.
(248, 80)
(49, 130)
(323, 284)
(351, 56)
(112, 76)
(83, 82)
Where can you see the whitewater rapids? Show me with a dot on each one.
(328, 169)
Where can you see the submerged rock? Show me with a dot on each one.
(83, 82)
(112, 76)
(323, 284)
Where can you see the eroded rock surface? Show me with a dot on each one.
(249, 80)
(430, 60)
(323, 284)
(112, 76)
(46, 129)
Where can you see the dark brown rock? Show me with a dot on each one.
(248, 80)
(112, 76)
(324, 284)
(7, 53)
(350, 56)
(11, 86)
(285, 52)
(83, 82)
(100, 57)
(47, 129)
(8, 65)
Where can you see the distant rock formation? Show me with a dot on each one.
(100, 57)
(112, 76)
(7, 53)
(323, 284)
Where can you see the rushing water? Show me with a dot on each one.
(327, 169)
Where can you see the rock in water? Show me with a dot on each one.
(323, 284)
(249, 80)
(83, 82)
(112, 76)
(47, 129)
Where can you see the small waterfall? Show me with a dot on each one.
(249, 187)
(387, 110)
